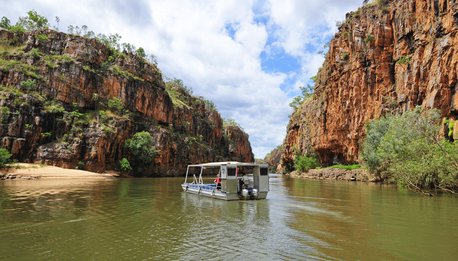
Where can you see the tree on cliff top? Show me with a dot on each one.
(178, 92)
(5, 22)
(231, 123)
(306, 92)
(33, 21)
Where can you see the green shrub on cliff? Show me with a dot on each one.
(5, 157)
(124, 165)
(408, 150)
(28, 84)
(405, 59)
(450, 126)
(230, 123)
(5, 113)
(141, 145)
(125, 74)
(305, 163)
(209, 105)
(296, 102)
(18, 66)
(115, 104)
(142, 150)
(178, 92)
(141, 52)
(306, 92)
(53, 106)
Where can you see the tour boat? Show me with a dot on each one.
(227, 180)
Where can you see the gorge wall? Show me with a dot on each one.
(72, 101)
(387, 56)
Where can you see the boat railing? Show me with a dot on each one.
(194, 180)
(208, 187)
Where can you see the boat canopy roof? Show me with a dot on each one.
(227, 163)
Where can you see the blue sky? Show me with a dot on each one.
(248, 56)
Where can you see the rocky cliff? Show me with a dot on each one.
(387, 56)
(72, 101)
(273, 159)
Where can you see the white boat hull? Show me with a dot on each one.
(214, 193)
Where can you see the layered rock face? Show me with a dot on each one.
(386, 57)
(238, 142)
(273, 159)
(67, 100)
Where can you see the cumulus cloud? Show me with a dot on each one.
(301, 29)
(215, 47)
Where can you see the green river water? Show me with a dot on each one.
(151, 219)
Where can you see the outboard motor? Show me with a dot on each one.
(245, 193)
(254, 193)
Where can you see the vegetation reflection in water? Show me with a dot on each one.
(153, 219)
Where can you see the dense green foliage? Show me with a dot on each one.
(141, 145)
(5, 157)
(115, 104)
(124, 165)
(305, 163)
(178, 92)
(29, 84)
(141, 52)
(142, 150)
(408, 150)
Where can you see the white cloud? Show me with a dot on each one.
(305, 26)
(192, 42)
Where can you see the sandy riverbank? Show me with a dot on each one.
(29, 171)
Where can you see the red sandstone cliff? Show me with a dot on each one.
(391, 56)
(238, 145)
(273, 159)
(55, 94)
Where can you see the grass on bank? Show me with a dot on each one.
(305, 163)
(345, 167)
